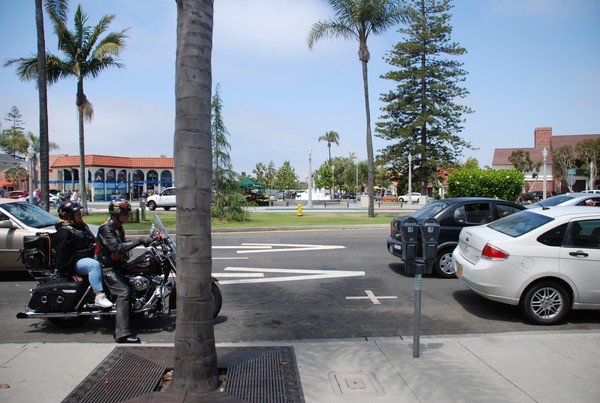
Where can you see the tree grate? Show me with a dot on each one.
(252, 374)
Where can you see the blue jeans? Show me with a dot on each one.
(91, 268)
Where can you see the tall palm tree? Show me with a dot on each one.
(195, 351)
(330, 137)
(357, 19)
(86, 56)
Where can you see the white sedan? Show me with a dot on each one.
(546, 261)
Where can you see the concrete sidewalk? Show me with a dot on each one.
(545, 366)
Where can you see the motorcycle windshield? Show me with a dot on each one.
(167, 236)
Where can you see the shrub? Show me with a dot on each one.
(504, 184)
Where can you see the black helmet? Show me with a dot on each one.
(67, 209)
(117, 207)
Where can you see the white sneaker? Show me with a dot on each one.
(102, 301)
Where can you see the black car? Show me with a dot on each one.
(452, 215)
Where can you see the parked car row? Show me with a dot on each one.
(544, 258)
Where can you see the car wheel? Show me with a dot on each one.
(545, 303)
(443, 266)
(401, 200)
(167, 208)
(151, 205)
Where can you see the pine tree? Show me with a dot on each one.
(421, 117)
(223, 175)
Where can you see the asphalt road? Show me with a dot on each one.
(309, 284)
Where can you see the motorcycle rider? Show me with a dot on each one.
(114, 252)
(74, 244)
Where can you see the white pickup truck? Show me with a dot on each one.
(166, 199)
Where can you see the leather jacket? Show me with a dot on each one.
(114, 247)
(71, 243)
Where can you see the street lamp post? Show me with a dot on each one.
(30, 168)
(544, 156)
(309, 204)
(356, 192)
(410, 178)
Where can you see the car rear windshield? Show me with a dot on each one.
(519, 223)
(551, 201)
(430, 210)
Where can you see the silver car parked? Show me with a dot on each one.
(17, 219)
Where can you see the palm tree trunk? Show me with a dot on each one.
(81, 105)
(82, 175)
(370, 158)
(195, 351)
(43, 104)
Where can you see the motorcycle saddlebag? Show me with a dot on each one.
(57, 295)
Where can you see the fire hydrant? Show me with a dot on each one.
(299, 210)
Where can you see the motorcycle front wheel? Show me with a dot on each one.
(69, 323)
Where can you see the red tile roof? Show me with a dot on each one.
(93, 160)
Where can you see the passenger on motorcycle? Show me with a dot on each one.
(114, 252)
(74, 245)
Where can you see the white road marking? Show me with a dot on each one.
(243, 246)
(230, 258)
(372, 297)
(301, 275)
(269, 247)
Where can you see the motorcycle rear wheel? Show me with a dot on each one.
(69, 323)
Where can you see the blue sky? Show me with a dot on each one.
(531, 63)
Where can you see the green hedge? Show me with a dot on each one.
(504, 184)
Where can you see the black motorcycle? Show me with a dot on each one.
(66, 303)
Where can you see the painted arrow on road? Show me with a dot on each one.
(257, 275)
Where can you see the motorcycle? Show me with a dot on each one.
(66, 303)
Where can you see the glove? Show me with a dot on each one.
(145, 241)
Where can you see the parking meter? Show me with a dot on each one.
(410, 234)
(430, 232)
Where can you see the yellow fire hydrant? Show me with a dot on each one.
(299, 210)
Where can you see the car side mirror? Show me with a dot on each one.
(7, 224)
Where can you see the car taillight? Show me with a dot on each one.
(490, 252)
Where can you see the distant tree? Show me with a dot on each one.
(260, 173)
(14, 142)
(331, 138)
(286, 178)
(522, 161)
(86, 56)
(227, 203)
(357, 19)
(563, 158)
(265, 175)
(588, 151)
(421, 116)
(15, 117)
(195, 351)
(223, 175)
(323, 176)
(470, 163)
(17, 176)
